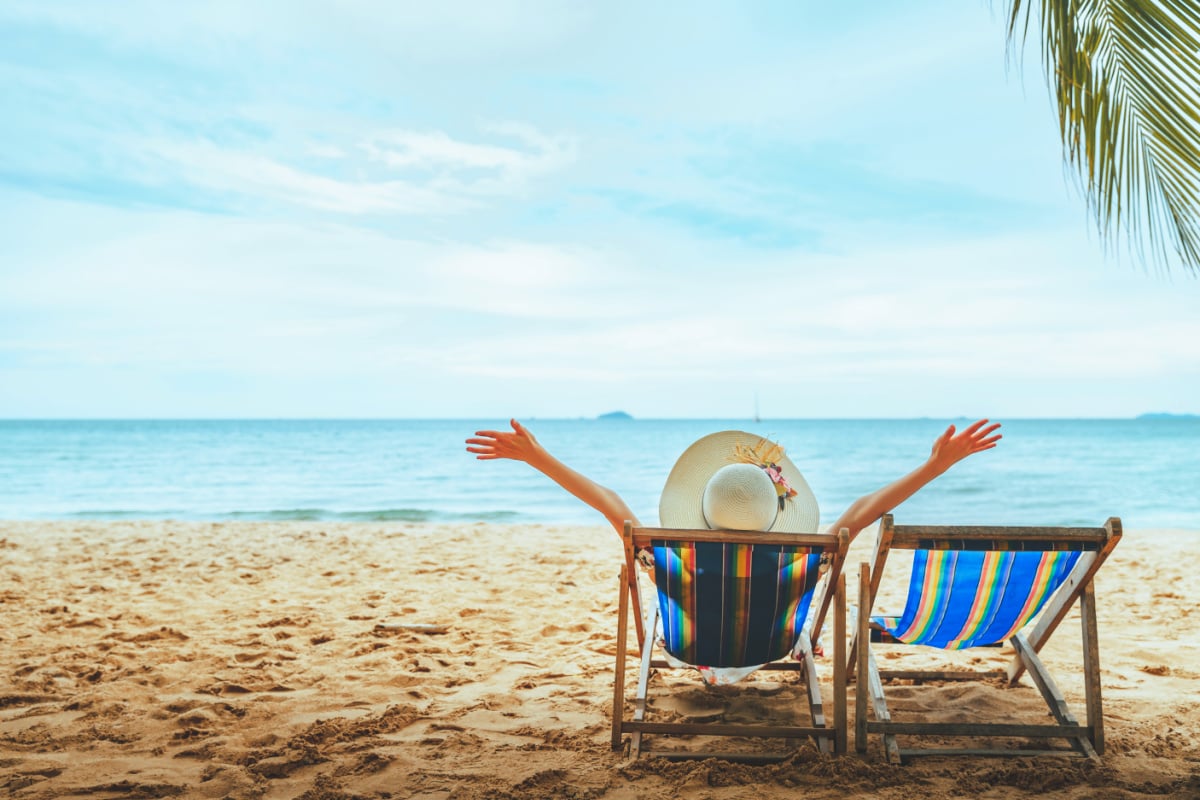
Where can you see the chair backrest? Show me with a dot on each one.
(973, 586)
(734, 598)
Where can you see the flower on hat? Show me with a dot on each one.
(782, 487)
(765, 455)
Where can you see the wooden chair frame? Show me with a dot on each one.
(1086, 740)
(829, 739)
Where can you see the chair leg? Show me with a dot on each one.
(875, 686)
(862, 641)
(1050, 692)
(639, 709)
(839, 667)
(812, 685)
(618, 711)
(1091, 667)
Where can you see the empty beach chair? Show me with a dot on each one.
(978, 587)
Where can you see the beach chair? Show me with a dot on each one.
(977, 587)
(731, 599)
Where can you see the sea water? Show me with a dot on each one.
(1063, 472)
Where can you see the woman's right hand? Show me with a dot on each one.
(518, 444)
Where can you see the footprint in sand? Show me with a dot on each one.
(1155, 669)
(286, 621)
(698, 706)
(154, 636)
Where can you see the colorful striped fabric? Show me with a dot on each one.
(732, 605)
(959, 599)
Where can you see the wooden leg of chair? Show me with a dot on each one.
(1091, 667)
(1050, 691)
(812, 685)
(839, 667)
(862, 638)
(639, 625)
(875, 686)
(639, 709)
(618, 711)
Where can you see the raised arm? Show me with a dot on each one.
(950, 448)
(520, 445)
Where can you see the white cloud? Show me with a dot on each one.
(262, 178)
(426, 172)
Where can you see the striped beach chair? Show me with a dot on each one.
(980, 587)
(730, 599)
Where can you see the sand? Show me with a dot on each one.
(165, 659)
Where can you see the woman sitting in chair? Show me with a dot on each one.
(734, 480)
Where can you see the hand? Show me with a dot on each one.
(952, 447)
(519, 444)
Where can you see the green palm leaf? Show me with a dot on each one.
(1126, 78)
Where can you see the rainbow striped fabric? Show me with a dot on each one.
(732, 605)
(959, 599)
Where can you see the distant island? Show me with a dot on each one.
(1165, 415)
(615, 415)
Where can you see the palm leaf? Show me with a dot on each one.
(1126, 78)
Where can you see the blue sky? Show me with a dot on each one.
(554, 209)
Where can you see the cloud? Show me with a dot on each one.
(436, 150)
(423, 172)
(469, 168)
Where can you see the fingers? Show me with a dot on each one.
(481, 440)
(978, 432)
(974, 426)
(984, 432)
(985, 445)
(982, 435)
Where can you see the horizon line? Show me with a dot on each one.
(594, 418)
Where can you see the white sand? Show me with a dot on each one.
(154, 659)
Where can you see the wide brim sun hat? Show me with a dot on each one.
(739, 481)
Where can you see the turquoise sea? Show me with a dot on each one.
(1146, 471)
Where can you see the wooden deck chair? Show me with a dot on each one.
(977, 587)
(731, 599)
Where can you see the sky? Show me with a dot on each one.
(556, 209)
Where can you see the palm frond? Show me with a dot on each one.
(1126, 78)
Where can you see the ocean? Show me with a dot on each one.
(1064, 472)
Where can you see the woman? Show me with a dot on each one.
(949, 448)
(733, 480)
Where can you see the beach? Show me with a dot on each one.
(286, 660)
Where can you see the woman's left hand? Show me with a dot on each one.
(518, 444)
(953, 446)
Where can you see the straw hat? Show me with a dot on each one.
(737, 481)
